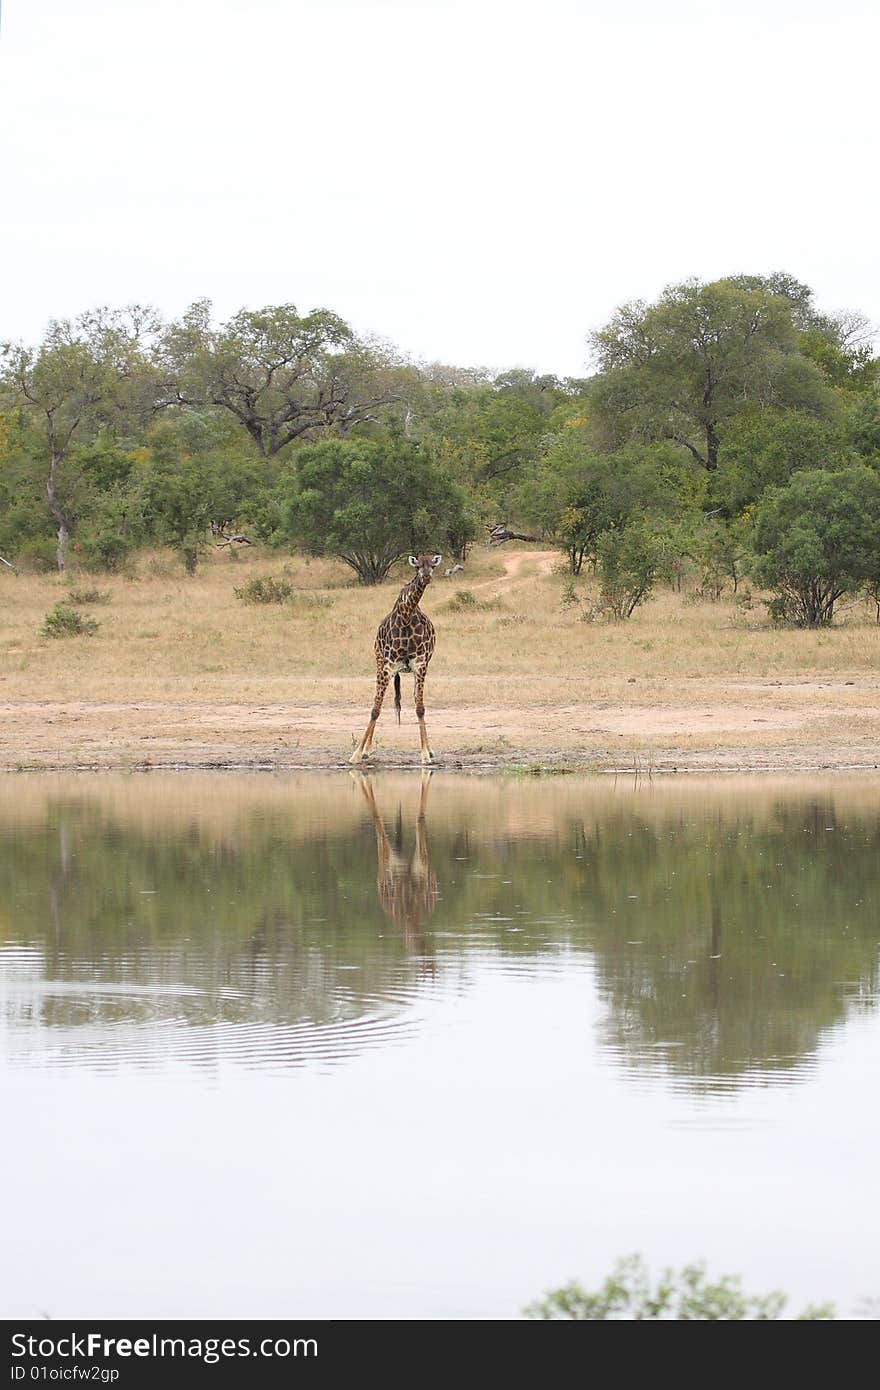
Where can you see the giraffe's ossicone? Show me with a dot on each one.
(404, 645)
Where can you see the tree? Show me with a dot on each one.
(817, 539)
(72, 386)
(26, 530)
(863, 427)
(762, 448)
(630, 561)
(488, 432)
(716, 548)
(576, 493)
(282, 375)
(371, 501)
(188, 481)
(680, 368)
(839, 344)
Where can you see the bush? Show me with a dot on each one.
(64, 621)
(89, 596)
(631, 560)
(684, 1296)
(816, 540)
(569, 597)
(106, 551)
(265, 591)
(466, 601)
(37, 556)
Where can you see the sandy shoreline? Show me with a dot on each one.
(780, 727)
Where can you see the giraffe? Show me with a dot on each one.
(408, 891)
(404, 643)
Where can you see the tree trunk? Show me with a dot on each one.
(712, 443)
(63, 531)
(61, 548)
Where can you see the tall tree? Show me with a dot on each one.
(82, 376)
(282, 375)
(680, 368)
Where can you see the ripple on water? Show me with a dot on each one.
(664, 1064)
(114, 1024)
(156, 1044)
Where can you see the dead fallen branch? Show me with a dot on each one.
(498, 534)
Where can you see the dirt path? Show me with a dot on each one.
(519, 567)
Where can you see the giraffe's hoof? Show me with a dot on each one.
(357, 757)
(428, 757)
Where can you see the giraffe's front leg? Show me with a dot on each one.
(427, 754)
(363, 749)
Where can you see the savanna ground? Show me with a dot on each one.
(181, 673)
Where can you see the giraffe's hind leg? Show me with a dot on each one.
(363, 749)
(427, 754)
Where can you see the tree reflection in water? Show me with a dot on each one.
(727, 935)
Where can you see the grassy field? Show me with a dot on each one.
(180, 670)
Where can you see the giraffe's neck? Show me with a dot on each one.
(408, 601)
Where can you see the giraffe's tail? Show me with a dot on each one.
(397, 695)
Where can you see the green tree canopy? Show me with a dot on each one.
(576, 493)
(680, 368)
(281, 374)
(83, 375)
(370, 501)
(489, 433)
(183, 491)
(817, 539)
(762, 448)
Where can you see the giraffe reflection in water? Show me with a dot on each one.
(407, 885)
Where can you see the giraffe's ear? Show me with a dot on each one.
(435, 560)
(414, 562)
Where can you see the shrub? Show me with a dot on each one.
(64, 621)
(89, 596)
(631, 560)
(107, 551)
(684, 1296)
(816, 540)
(265, 591)
(465, 600)
(37, 556)
(569, 597)
(370, 502)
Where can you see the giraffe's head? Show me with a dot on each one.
(425, 565)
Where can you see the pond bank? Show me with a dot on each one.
(796, 726)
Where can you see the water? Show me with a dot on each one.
(400, 1047)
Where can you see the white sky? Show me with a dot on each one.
(481, 183)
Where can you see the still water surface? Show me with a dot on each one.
(399, 1046)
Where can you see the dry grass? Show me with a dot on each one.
(516, 662)
(169, 636)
